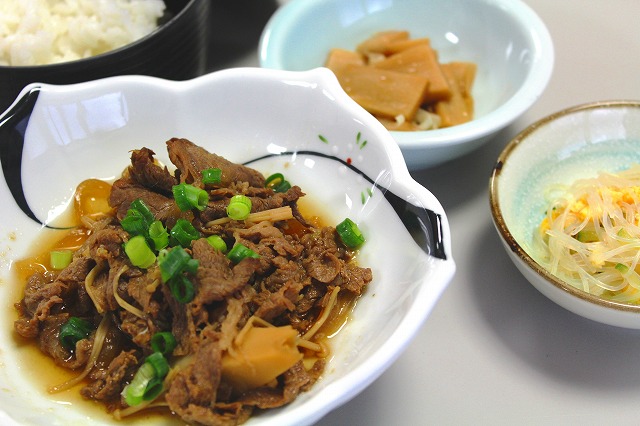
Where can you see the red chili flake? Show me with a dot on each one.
(349, 160)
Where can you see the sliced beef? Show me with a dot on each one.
(138, 329)
(281, 290)
(43, 297)
(289, 284)
(193, 391)
(124, 191)
(323, 241)
(215, 210)
(295, 380)
(270, 305)
(142, 289)
(145, 171)
(354, 278)
(192, 159)
(224, 414)
(217, 277)
(182, 323)
(262, 200)
(278, 199)
(268, 241)
(50, 344)
(325, 267)
(37, 297)
(108, 383)
(329, 262)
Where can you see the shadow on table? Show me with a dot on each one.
(562, 345)
(457, 181)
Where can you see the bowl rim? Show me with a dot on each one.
(534, 84)
(104, 55)
(503, 229)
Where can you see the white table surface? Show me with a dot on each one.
(495, 350)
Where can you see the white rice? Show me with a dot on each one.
(37, 32)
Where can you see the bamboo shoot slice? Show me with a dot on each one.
(338, 58)
(383, 92)
(380, 42)
(458, 109)
(421, 60)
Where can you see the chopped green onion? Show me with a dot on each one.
(173, 264)
(60, 259)
(274, 179)
(587, 236)
(153, 389)
(141, 208)
(134, 224)
(350, 234)
(624, 233)
(622, 268)
(163, 342)
(211, 176)
(139, 252)
(183, 232)
(147, 383)
(175, 261)
(158, 235)
(138, 218)
(188, 197)
(73, 330)
(239, 207)
(240, 251)
(217, 243)
(182, 288)
(283, 187)
(632, 277)
(277, 182)
(159, 364)
(134, 392)
(191, 266)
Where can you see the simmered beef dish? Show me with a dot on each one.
(201, 291)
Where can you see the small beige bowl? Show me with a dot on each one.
(575, 143)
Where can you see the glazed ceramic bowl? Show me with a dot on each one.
(505, 38)
(301, 122)
(576, 143)
(176, 50)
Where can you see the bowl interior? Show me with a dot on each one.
(492, 34)
(570, 145)
(300, 124)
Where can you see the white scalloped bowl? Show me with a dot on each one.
(575, 143)
(56, 136)
(505, 38)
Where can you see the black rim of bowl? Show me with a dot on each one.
(161, 27)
